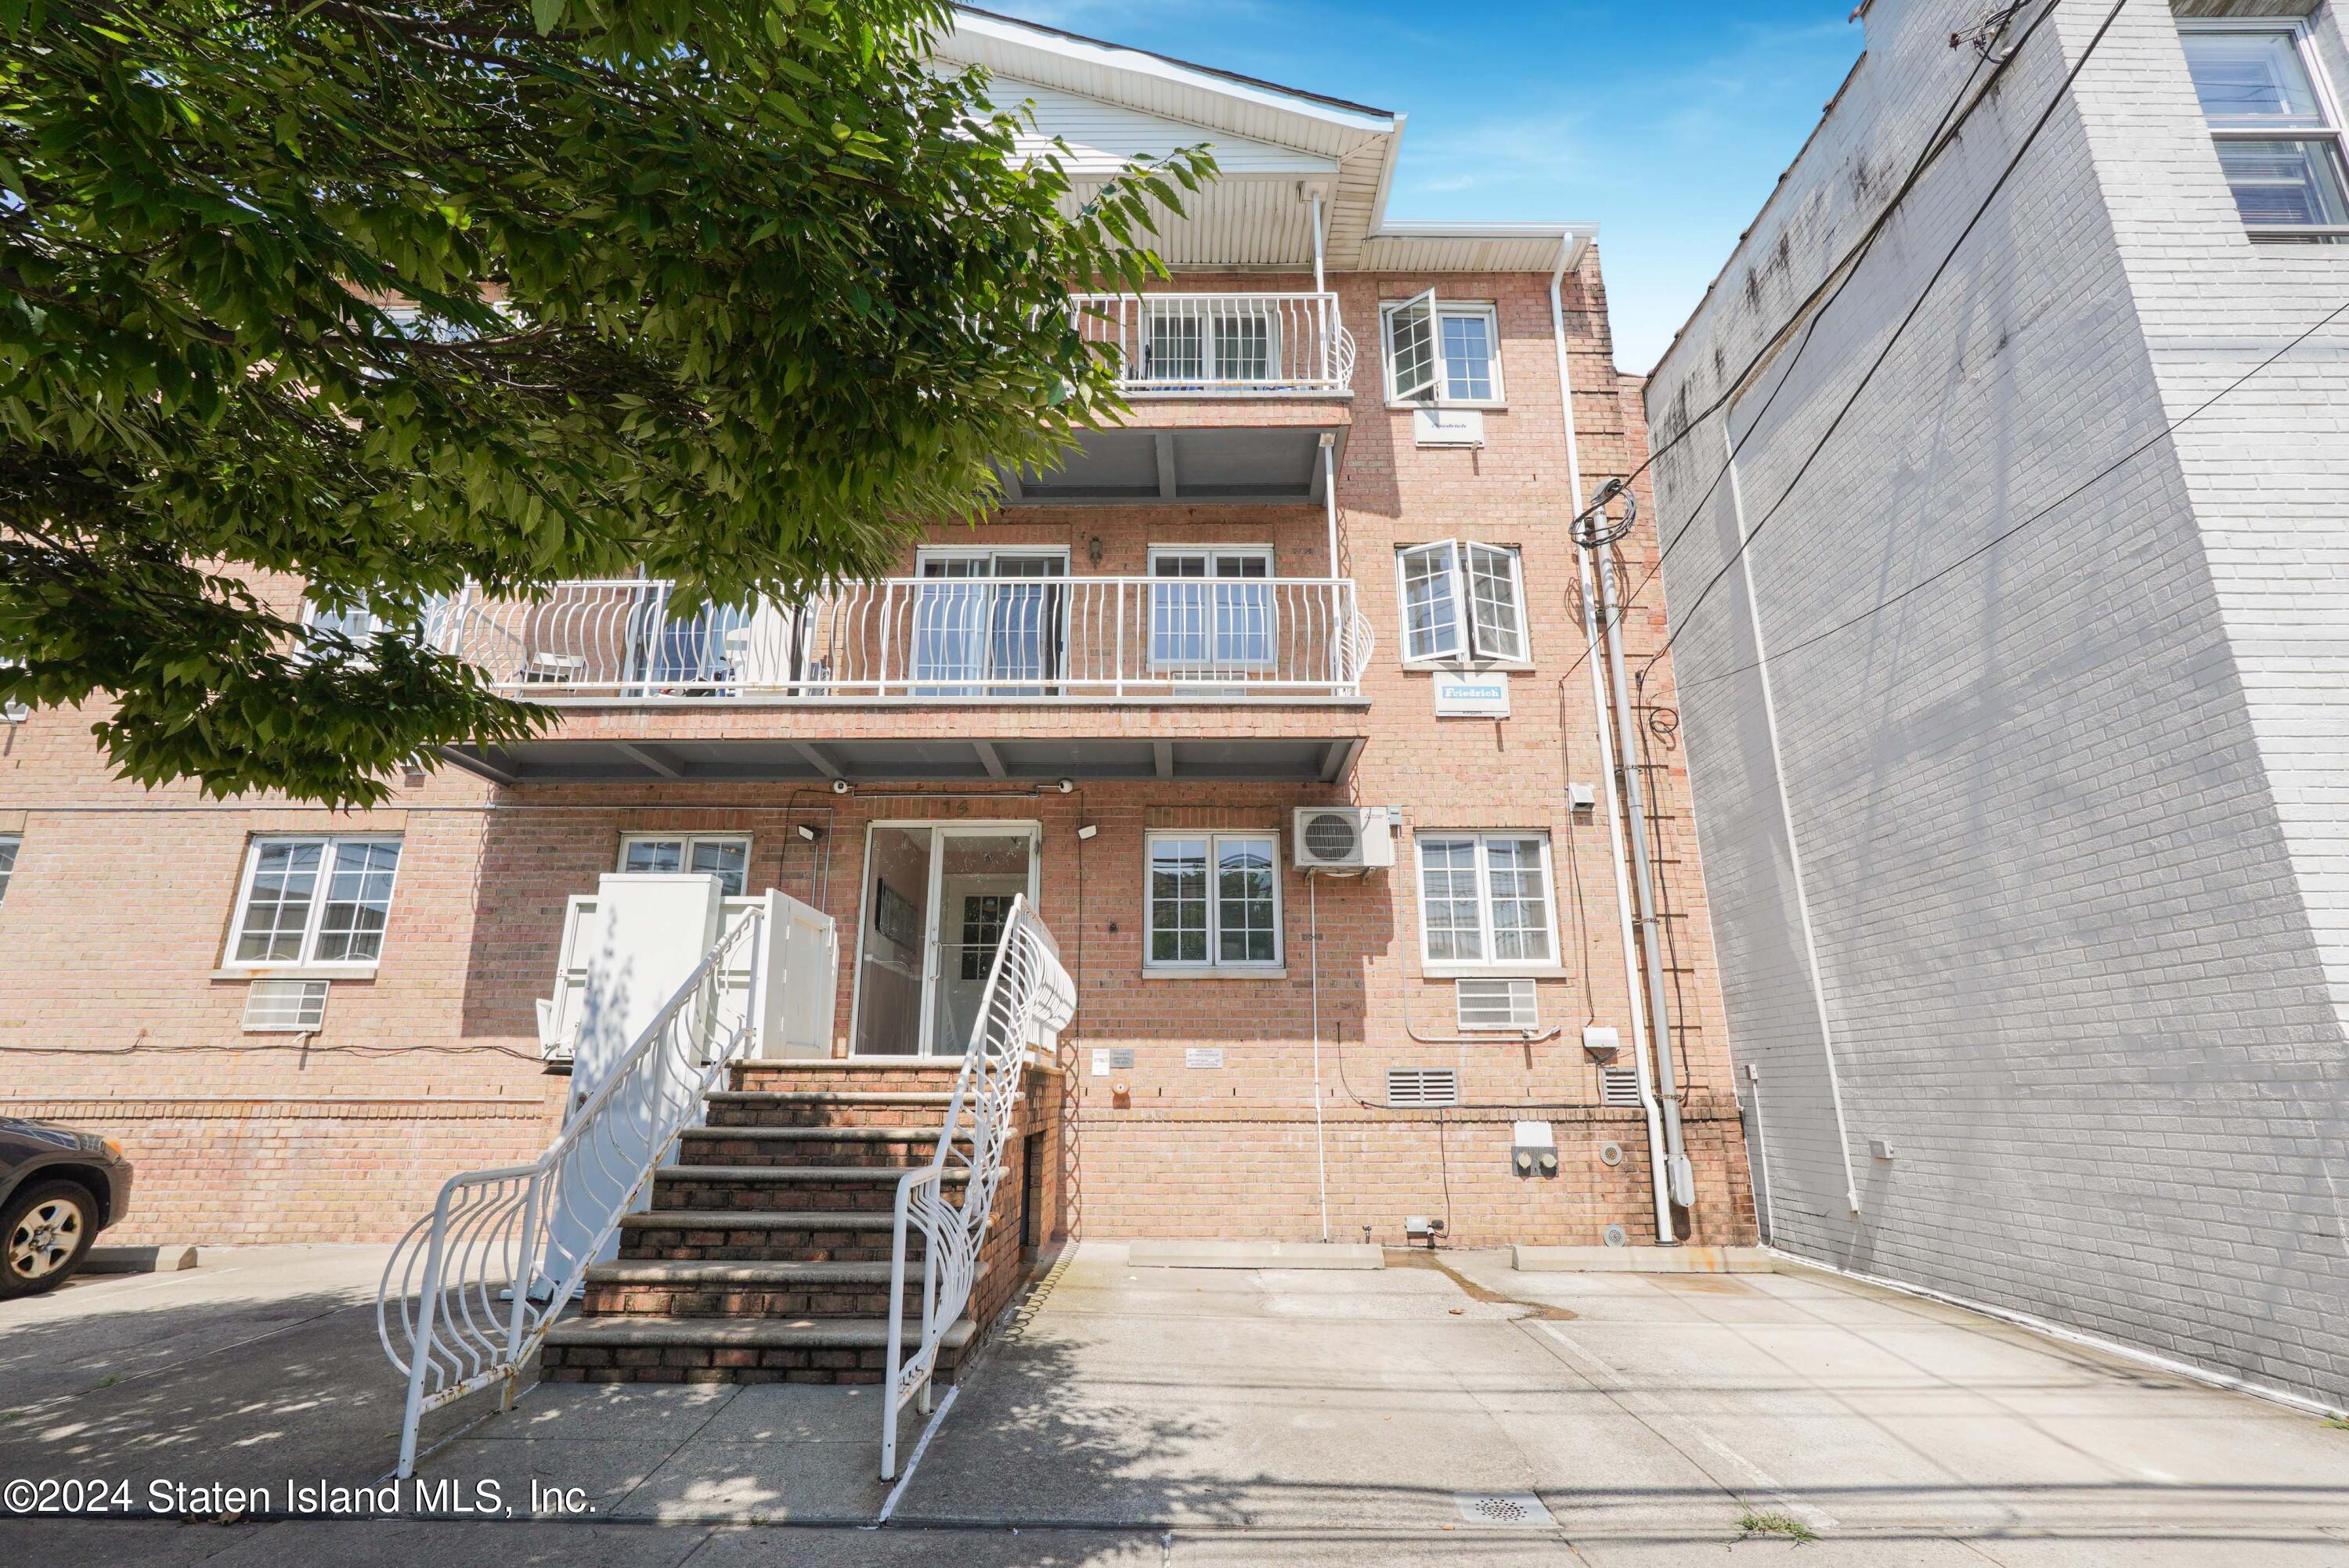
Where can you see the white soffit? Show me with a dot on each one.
(1435, 247)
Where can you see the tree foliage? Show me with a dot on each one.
(742, 292)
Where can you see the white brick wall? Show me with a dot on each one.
(2070, 820)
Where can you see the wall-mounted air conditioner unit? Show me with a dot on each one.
(1342, 837)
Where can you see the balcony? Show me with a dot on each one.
(1221, 344)
(1033, 677)
(1234, 397)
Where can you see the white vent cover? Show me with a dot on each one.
(1619, 1086)
(284, 1006)
(1496, 1005)
(1422, 1087)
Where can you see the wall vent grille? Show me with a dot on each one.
(1619, 1087)
(1496, 1005)
(286, 1006)
(1422, 1087)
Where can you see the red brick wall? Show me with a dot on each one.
(109, 1017)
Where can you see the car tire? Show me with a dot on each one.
(45, 1231)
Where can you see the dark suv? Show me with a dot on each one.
(59, 1188)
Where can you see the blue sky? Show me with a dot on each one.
(1665, 124)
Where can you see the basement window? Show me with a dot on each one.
(2278, 137)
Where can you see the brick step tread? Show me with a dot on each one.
(739, 1333)
(877, 1173)
(655, 1271)
(908, 1134)
(761, 1220)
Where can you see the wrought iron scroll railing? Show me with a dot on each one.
(473, 1288)
(1028, 998)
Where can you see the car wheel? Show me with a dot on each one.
(45, 1232)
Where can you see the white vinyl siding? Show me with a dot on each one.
(313, 900)
(1484, 900)
(1442, 351)
(726, 856)
(1462, 600)
(2276, 128)
(1213, 900)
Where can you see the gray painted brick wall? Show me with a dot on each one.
(2069, 827)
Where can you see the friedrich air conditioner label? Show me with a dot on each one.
(1481, 697)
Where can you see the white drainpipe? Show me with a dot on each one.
(1658, 1166)
(1329, 339)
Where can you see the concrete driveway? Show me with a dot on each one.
(1419, 1415)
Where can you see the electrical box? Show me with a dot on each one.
(1601, 1042)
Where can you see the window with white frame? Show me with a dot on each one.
(1484, 900)
(726, 856)
(1213, 609)
(1214, 900)
(1442, 351)
(11, 711)
(2277, 131)
(1206, 340)
(314, 899)
(8, 844)
(1462, 600)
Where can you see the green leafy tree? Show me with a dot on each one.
(744, 292)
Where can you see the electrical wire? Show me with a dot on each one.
(2000, 538)
(1811, 312)
(1981, 209)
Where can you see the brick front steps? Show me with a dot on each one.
(722, 1350)
(764, 1255)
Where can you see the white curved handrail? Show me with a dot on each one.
(473, 1286)
(1029, 995)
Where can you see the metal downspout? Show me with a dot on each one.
(1657, 1169)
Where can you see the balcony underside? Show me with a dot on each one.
(1302, 759)
(1260, 463)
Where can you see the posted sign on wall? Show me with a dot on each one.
(1479, 697)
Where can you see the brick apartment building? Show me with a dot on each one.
(2020, 731)
(1111, 695)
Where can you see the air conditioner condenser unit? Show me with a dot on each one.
(1342, 837)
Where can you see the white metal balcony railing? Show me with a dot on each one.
(1221, 343)
(927, 640)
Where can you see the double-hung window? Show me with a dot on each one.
(8, 844)
(726, 856)
(1442, 351)
(1210, 609)
(1214, 900)
(1462, 600)
(2278, 134)
(310, 900)
(1484, 900)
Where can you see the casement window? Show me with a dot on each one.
(726, 856)
(1442, 351)
(1462, 600)
(308, 900)
(2277, 129)
(8, 843)
(1214, 900)
(1484, 900)
(1215, 609)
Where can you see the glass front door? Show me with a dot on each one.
(935, 900)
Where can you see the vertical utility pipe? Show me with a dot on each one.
(1660, 1176)
(1643, 887)
(1320, 1149)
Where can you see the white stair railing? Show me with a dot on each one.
(473, 1288)
(1029, 996)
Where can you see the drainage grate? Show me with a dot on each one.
(1521, 1507)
